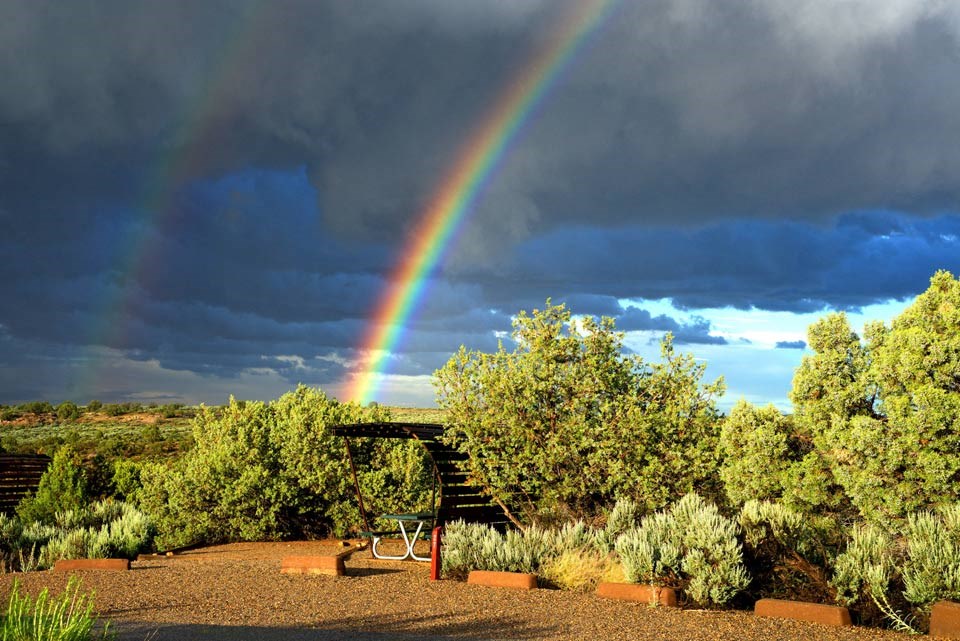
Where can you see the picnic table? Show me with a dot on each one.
(420, 519)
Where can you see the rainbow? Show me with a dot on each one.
(178, 162)
(460, 188)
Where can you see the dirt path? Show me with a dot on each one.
(236, 593)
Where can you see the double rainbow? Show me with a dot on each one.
(462, 186)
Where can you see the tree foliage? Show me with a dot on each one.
(62, 487)
(273, 470)
(566, 421)
(880, 416)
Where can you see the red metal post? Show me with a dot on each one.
(435, 553)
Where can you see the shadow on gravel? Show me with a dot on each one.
(437, 628)
(355, 571)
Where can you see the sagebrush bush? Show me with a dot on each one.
(105, 529)
(692, 546)
(864, 574)
(651, 553)
(464, 547)
(473, 546)
(931, 570)
(790, 553)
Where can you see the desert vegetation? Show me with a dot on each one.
(610, 467)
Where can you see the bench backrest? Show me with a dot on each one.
(19, 475)
(457, 499)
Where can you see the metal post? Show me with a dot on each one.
(435, 564)
(356, 485)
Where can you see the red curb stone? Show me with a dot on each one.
(331, 565)
(641, 593)
(814, 612)
(516, 580)
(71, 565)
(945, 620)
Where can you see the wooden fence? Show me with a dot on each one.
(19, 474)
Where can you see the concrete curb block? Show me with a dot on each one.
(945, 620)
(330, 565)
(814, 612)
(650, 594)
(515, 580)
(72, 565)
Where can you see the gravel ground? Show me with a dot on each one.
(236, 593)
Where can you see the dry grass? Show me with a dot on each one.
(581, 570)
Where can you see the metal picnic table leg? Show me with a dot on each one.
(376, 542)
(411, 542)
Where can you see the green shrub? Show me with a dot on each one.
(691, 546)
(125, 482)
(568, 399)
(36, 407)
(884, 413)
(62, 487)
(68, 617)
(268, 471)
(9, 414)
(68, 411)
(94, 406)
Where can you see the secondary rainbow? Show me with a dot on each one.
(461, 187)
(175, 165)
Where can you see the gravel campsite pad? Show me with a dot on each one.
(237, 593)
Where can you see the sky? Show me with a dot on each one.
(200, 200)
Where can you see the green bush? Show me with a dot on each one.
(690, 546)
(94, 406)
(269, 471)
(68, 411)
(62, 487)
(125, 482)
(884, 414)
(68, 617)
(9, 414)
(566, 400)
(36, 407)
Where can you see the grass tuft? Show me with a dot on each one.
(68, 617)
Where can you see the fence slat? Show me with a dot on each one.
(19, 475)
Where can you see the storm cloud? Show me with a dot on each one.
(222, 189)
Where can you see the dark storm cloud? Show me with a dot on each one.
(860, 259)
(223, 187)
(695, 332)
(791, 345)
(676, 112)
